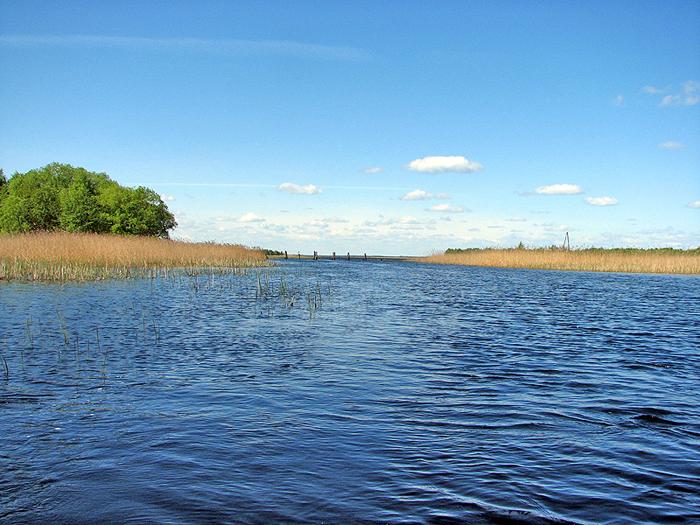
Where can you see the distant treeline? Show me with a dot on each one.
(62, 197)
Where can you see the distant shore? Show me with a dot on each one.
(654, 261)
(61, 256)
(613, 260)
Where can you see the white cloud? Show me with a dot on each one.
(691, 86)
(688, 96)
(601, 201)
(390, 221)
(671, 144)
(422, 195)
(372, 170)
(417, 195)
(671, 100)
(167, 198)
(446, 208)
(290, 187)
(619, 101)
(559, 189)
(250, 217)
(652, 90)
(439, 164)
(694, 204)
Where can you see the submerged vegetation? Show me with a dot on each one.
(630, 260)
(62, 256)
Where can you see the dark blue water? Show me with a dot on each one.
(352, 392)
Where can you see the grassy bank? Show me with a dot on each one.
(86, 257)
(593, 259)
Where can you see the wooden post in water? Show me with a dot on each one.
(365, 257)
(285, 255)
(334, 256)
(348, 256)
(298, 255)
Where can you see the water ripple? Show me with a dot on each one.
(412, 394)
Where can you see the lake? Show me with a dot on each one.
(352, 392)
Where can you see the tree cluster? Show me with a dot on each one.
(62, 197)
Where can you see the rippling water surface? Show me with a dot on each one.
(352, 392)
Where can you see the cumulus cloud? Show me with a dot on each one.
(440, 164)
(446, 208)
(619, 101)
(290, 187)
(559, 189)
(250, 217)
(167, 198)
(391, 221)
(694, 204)
(689, 95)
(417, 195)
(652, 90)
(601, 201)
(422, 195)
(372, 170)
(671, 144)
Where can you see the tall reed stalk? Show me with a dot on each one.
(594, 260)
(61, 256)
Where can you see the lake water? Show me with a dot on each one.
(352, 392)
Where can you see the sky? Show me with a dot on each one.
(394, 127)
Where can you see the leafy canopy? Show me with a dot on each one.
(62, 197)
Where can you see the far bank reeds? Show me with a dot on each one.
(61, 256)
(592, 259)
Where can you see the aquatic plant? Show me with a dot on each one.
(61, 257)
(590, 259)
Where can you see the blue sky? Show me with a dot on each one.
(378, 127)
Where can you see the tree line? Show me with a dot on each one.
(63, 197)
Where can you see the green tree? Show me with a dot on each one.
(141, 211)
(37, 191)
(80, 211)
(60, 196)
(14, 216)
(3, 186)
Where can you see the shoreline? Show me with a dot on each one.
(63, 257)
(643, 262)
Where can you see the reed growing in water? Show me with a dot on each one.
(664, 260)
(61, 256)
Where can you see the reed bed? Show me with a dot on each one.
(666, 261)
(61, 256)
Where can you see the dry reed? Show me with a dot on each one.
(61, 256)
(592, 260)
